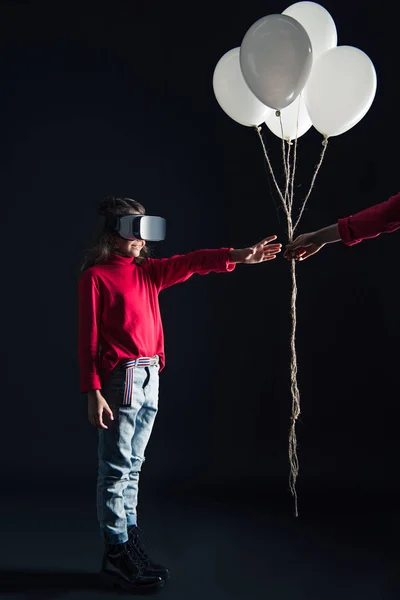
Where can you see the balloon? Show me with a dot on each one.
(295, 118)
(233, 94)
(340, 90)
(318, 23)
(276, 59)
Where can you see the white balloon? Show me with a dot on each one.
(295, 119)
(233, 94)
(276, 59)
(340, 90)
(318, 23)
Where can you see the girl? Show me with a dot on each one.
(369, 223)
(121, 350)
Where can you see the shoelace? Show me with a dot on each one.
(137, 544)
(134, 557)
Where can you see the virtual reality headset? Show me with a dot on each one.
(139, 227)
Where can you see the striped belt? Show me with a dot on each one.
(130, 366)
(145, 361)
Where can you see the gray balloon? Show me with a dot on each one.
(276, 59)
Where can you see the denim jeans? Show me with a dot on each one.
(122, 446)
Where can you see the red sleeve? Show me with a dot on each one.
(371, 222)
(89, 319)
(169, 271)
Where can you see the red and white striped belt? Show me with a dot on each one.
(130, 365)
(144, 361)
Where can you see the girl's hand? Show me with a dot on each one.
(97, 409)
(258, 253)
(302, 247)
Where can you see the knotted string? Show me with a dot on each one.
(287, 199)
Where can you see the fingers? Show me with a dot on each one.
(266, 240)
(273, 248)
(298, 243)
(309, 252)
(271, 251)
(300, 249)
(302, 241)
(302, 253)
(98, 410)
(97, 419)
(294, 254)
(102, 425)
(109, 412)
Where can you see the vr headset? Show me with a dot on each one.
(137, 227)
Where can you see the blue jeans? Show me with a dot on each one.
(121, 447)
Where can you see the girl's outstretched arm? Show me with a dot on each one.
(179, 268)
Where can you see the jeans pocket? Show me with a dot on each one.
(115, 389)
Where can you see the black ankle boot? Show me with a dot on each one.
(122, 568)
(137, 548)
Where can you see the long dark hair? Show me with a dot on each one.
(106, 242)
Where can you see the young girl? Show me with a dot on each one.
(121, 351)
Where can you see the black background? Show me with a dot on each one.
(116, 98)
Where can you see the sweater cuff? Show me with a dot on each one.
(345, 232)
(229, 266)
(90, 383)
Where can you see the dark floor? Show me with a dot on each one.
(226, 549)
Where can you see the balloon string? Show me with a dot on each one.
(296, 409)
(287, 202)
(287, 186)
(294, 388)
(258, 129)
(293, 458)
(324, 146)
(286, 163)
(294, 159)
(286, 160)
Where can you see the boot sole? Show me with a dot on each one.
(114, 581)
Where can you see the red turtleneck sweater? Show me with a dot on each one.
(119, 314)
